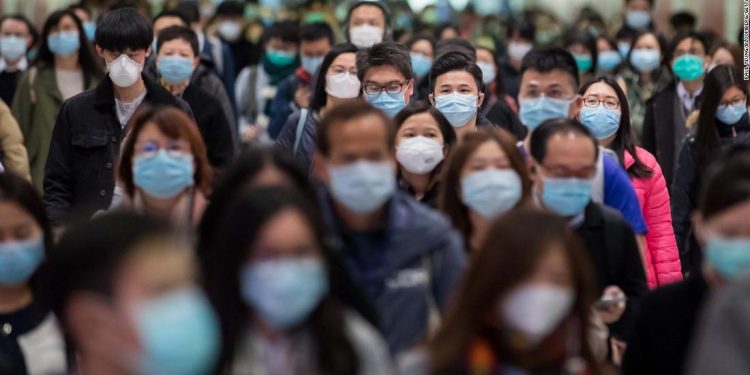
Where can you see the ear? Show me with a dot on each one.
(480, 99)
(148, 51)
(578, 107)
(573, 109)
(196, 61)
(320, 168)
(410, 89)
(99, 51)
(431, 97)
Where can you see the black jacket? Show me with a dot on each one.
(610, 242)
(685, 188)
(79, 175)
(659, 126)
(498, 112)
(664, 328)
(213, 125)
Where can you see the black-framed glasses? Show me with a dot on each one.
(390, 87)
(736, 102)
(593, 102)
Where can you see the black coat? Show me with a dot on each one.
(611, 244)
(659, 129)
(664, 328)
(213, 125)
(85, 144)
(498, 112)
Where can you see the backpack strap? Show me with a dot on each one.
(299, 130)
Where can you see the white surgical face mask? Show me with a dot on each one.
(230, 30)
(343, 85)
(124, 71)
(517, 50)
(535, 310)
(419, 154)
(364, 36)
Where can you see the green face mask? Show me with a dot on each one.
(313, 17)
(584, 62)
(688, 67)
(280, 58)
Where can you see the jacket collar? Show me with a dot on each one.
(105, 98)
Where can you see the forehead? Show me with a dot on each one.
(368, 128)
(688, 44)
(14, 25)
(601, 89)
(456, 77)
(384, 74)
(647, 38)
(151, 131)
(368, 12)
(347, 59)
(177, 43)
(555, 76)
(11, 214)
(488, 149)
(167, 21)
(420, 120)
(570, 149)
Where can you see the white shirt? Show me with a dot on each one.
(70, 82)
(22, 65)
(688, 99)
(125, 110)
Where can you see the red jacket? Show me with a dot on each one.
(662, 256)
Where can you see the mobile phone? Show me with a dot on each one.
(609, 301)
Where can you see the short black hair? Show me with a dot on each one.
(524, 27)
(172, 13)
(461, 45)
(122, 29)
(189, 9)
(419, 37)
(231, 8)
(316, 31)
(727, 181)
(686, 35)
(541, 135)
(21, 18)
(682, 19)
(453, 61)
(587, 40)
(381, 54)
(178, 32)
(287, 31)
(347, 112)
(546, 59)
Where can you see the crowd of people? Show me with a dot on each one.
(357, 188)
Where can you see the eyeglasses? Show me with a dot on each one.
(390, 87)
(592, 102)
(736, 102)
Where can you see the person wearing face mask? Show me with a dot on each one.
(424, 138)
(603, 109)
(257, 85)
(17, 36)
(485, 178)
(232, 30)
(664, 124)
(493, 80)
(367, 24)
(164, 142)
(722, 120)
(387, 76)
(125, 289)
(582, 45)
(281, 315)
(422, 52)
(405, 256)
(520, 40)
(564, 157)
(670, 319)
(79, 171)
(608, 58)
(62, 70)
(336, 84)
(295, 92)
(549, 86)
(644, 75)
(638, 15)
(524, 308)
(84, 14)
(32, 342)
(176, 62)
(203, 75)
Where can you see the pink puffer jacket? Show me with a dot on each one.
(662, 256)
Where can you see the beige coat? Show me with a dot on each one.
(11, 143)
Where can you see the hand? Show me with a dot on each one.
(249, 133)
(302, 96)
(612, 313)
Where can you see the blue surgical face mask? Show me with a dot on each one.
(311, 64)
(89, 27)
(584, 62)
(19, 260)
(279, 57)
(421, 64)
(491, 192)
(728, 256)
(732, 113)
(638, 19)
(566, 196)
(12, 47)
(284, 292)
(623, 48)
(63, 43)
(179, 334)
(608, 60)
(457, 108)
(688, 67)
(390, 104)
(488, 72)
(601, 121)
(538, 110)
(175, 69)
(363, 186)
(645, 60)
(164, 174)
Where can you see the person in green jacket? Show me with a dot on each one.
(64, 68)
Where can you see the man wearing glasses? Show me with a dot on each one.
(386, 75)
